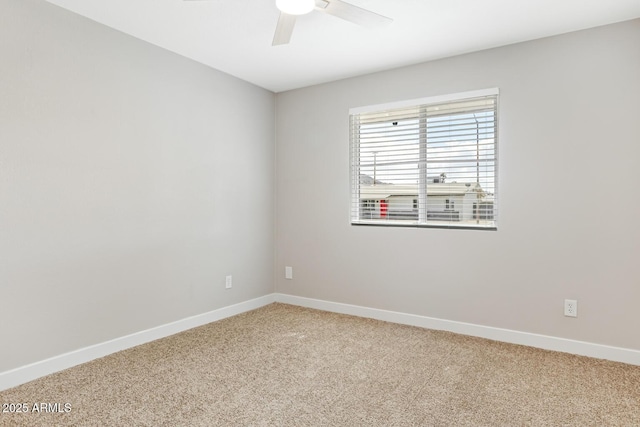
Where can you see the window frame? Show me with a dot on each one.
(423, 220)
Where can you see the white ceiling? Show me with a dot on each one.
(235, 36)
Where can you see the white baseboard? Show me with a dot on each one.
(564, 345)
(39, 369)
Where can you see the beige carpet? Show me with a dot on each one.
(289, 366)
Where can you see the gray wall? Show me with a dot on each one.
(569, 200)
(132, 180)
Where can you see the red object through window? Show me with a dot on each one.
(384, 205)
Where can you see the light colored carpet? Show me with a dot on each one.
(289, 366)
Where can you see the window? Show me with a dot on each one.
(428, 162)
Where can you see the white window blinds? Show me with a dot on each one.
(430, 162)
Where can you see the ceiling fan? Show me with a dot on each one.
(290, 9)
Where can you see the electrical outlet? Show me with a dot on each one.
(228, 282)
(288, 273)
(571, 308)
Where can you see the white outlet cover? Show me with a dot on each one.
(288, 272)
(571, 308)
(228, 282)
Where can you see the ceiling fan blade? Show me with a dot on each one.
(351, 13)
(284, 29)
